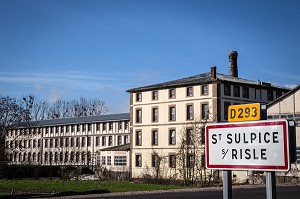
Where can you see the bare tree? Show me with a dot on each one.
(191, 155)
(77, 108)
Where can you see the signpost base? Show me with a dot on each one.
(271, 184)
(227, 185)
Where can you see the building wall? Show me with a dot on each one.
(65, 144)
(287, 108)
(217, 100)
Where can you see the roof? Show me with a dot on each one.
(204, 78)
(297, 88)
(87, 119)
(125, 147)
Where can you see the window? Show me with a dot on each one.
(138, 160)
(189, 112)
(204, 90)
(98, 127)
(189, 136)
(111, 125)
(97, 141)
(78, 127)
(202, 160)
(245, 92)
(83, 157)
(77, 142)
(189, 91)
(120, 160)
(108, 160)
(119, 140)
(120, 125)
(138, 97)
(110, 141)
(83, 141)
(104, 126)
(126, 125)
(73, 128)
(103, 141)
(227, 89)
(154, 160)
(154, 137)
(278, 94)
(62, 129)
(203, 135)
(270, 96)
(89, 127)
(125, 139)
(138, 116)
(138, 138)
(226, 105)
(51, 143)
(172, 137)
(89, 141)
(204, 111)
(190, 161)
(61, 142)
(67, 142)
(155, 114)
(172, 161)
(103, 160)
(72, 142)
(46, 143)
(172, 93)
(172, 113)
(154, 95)
(236, 91)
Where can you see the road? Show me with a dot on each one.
(283, 192)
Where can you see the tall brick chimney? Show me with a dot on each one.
(233, 68)
(213, 72)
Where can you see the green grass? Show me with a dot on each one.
(79, 186)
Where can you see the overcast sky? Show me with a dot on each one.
(64, 49)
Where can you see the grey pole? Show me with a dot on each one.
(271, 184)
(227, 185)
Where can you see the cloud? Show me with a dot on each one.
(62, 79)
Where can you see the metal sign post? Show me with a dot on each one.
(227, 185)
(255, 145)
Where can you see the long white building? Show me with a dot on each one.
(69, 141)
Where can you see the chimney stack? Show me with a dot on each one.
(233, 68)
(213, 72)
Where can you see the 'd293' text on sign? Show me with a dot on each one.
(261, 145)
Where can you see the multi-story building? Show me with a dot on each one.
(161, 113)
(68, 141)
(288, 107)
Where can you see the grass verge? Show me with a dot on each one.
(52, 186)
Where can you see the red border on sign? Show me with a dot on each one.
(286, 165)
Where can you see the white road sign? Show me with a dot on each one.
(260, 145)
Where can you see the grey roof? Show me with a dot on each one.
(204, 78)
(77, 120)
(125, 147)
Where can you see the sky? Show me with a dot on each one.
(65, 49)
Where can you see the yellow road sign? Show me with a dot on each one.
(244, 112)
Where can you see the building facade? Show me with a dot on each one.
(67, 141)
(163, 115)
(288, 107)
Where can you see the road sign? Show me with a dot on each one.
(244, 112)
(259, 145)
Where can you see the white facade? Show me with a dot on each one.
(68, 141)
(288, 107)
(161, 113)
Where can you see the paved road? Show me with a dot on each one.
(283, 192)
